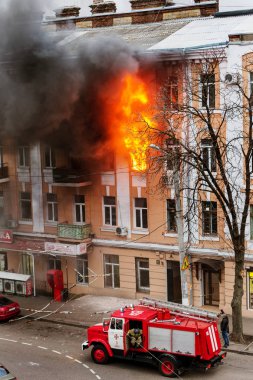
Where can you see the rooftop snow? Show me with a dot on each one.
(205, 33)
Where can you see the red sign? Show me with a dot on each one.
(6, 236)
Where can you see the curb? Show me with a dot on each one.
(240, 352)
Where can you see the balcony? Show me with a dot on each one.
(73, 231)
(4, 173)
(70, 177)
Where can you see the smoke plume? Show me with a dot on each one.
(48, 91)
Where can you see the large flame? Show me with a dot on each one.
(134, 120)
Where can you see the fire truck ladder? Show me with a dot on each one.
(177, 308)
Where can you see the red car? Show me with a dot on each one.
(8, 308)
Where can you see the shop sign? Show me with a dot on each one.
(66, 249)
(6, 236)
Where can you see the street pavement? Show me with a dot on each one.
(87, 310)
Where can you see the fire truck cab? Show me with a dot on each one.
(164, 334)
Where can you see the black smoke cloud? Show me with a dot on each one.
(46, 93)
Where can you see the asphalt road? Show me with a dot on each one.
(40, 350)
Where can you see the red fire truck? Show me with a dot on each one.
(171, 336)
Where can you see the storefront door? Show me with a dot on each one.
(211, 286)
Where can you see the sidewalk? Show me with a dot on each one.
(87, 310)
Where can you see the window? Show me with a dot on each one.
(25, 205)
(23, 156)
(141, 213)
(27, 264)
(251, 83)
(172, 151)
(208, 90)
(209, 210)
(251, 222)
(52, 207)
(142, 274)
(110, 211)
(82, 270)
(171, 215)
(111, 269)
(250, 288)
(1, 157)
(172, 88)
(208, 155)
(79, 208)
(3, 262)
(2, 221)
(54, 263)
(49, 157)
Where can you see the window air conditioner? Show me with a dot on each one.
(9, 286)
(121, 231)
(231, 78)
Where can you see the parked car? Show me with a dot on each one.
(5, 374)
(8, 308)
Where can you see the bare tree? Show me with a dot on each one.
(210, 118)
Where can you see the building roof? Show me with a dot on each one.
(205, 33)
(139, 36)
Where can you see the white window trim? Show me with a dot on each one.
(103, 213)
(113, 273)
(139, 287)
(48, 220)
(74, 212)
(23, 147)
(141, 228)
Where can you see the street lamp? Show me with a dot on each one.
(179, 222)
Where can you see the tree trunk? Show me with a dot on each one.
(237, 333)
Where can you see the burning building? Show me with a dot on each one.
(75, 190)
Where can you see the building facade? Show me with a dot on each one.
(109, 231)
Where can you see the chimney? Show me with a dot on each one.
(67, 12)
(144, 4)
(101, 6)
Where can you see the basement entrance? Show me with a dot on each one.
(174, 293)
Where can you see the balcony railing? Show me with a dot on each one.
(4, 171)
(66, 175)
(73, 231)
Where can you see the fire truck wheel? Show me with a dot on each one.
(168, 365)
(99, 354)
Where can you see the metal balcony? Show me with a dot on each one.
(4, 173)
(69, 176)
(73, 231)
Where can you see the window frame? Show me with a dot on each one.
(211, 216)
(23, 156)
(208, 155)
(207, 101)
(171, 215)
(23, 202)
(85, 273)
(111, 265)
(172, 92)
(112, 212)
(52, 208)
(139, 271)
(141, 210)
(78, 205)
(49, 157)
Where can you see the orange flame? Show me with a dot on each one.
(132, 107)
